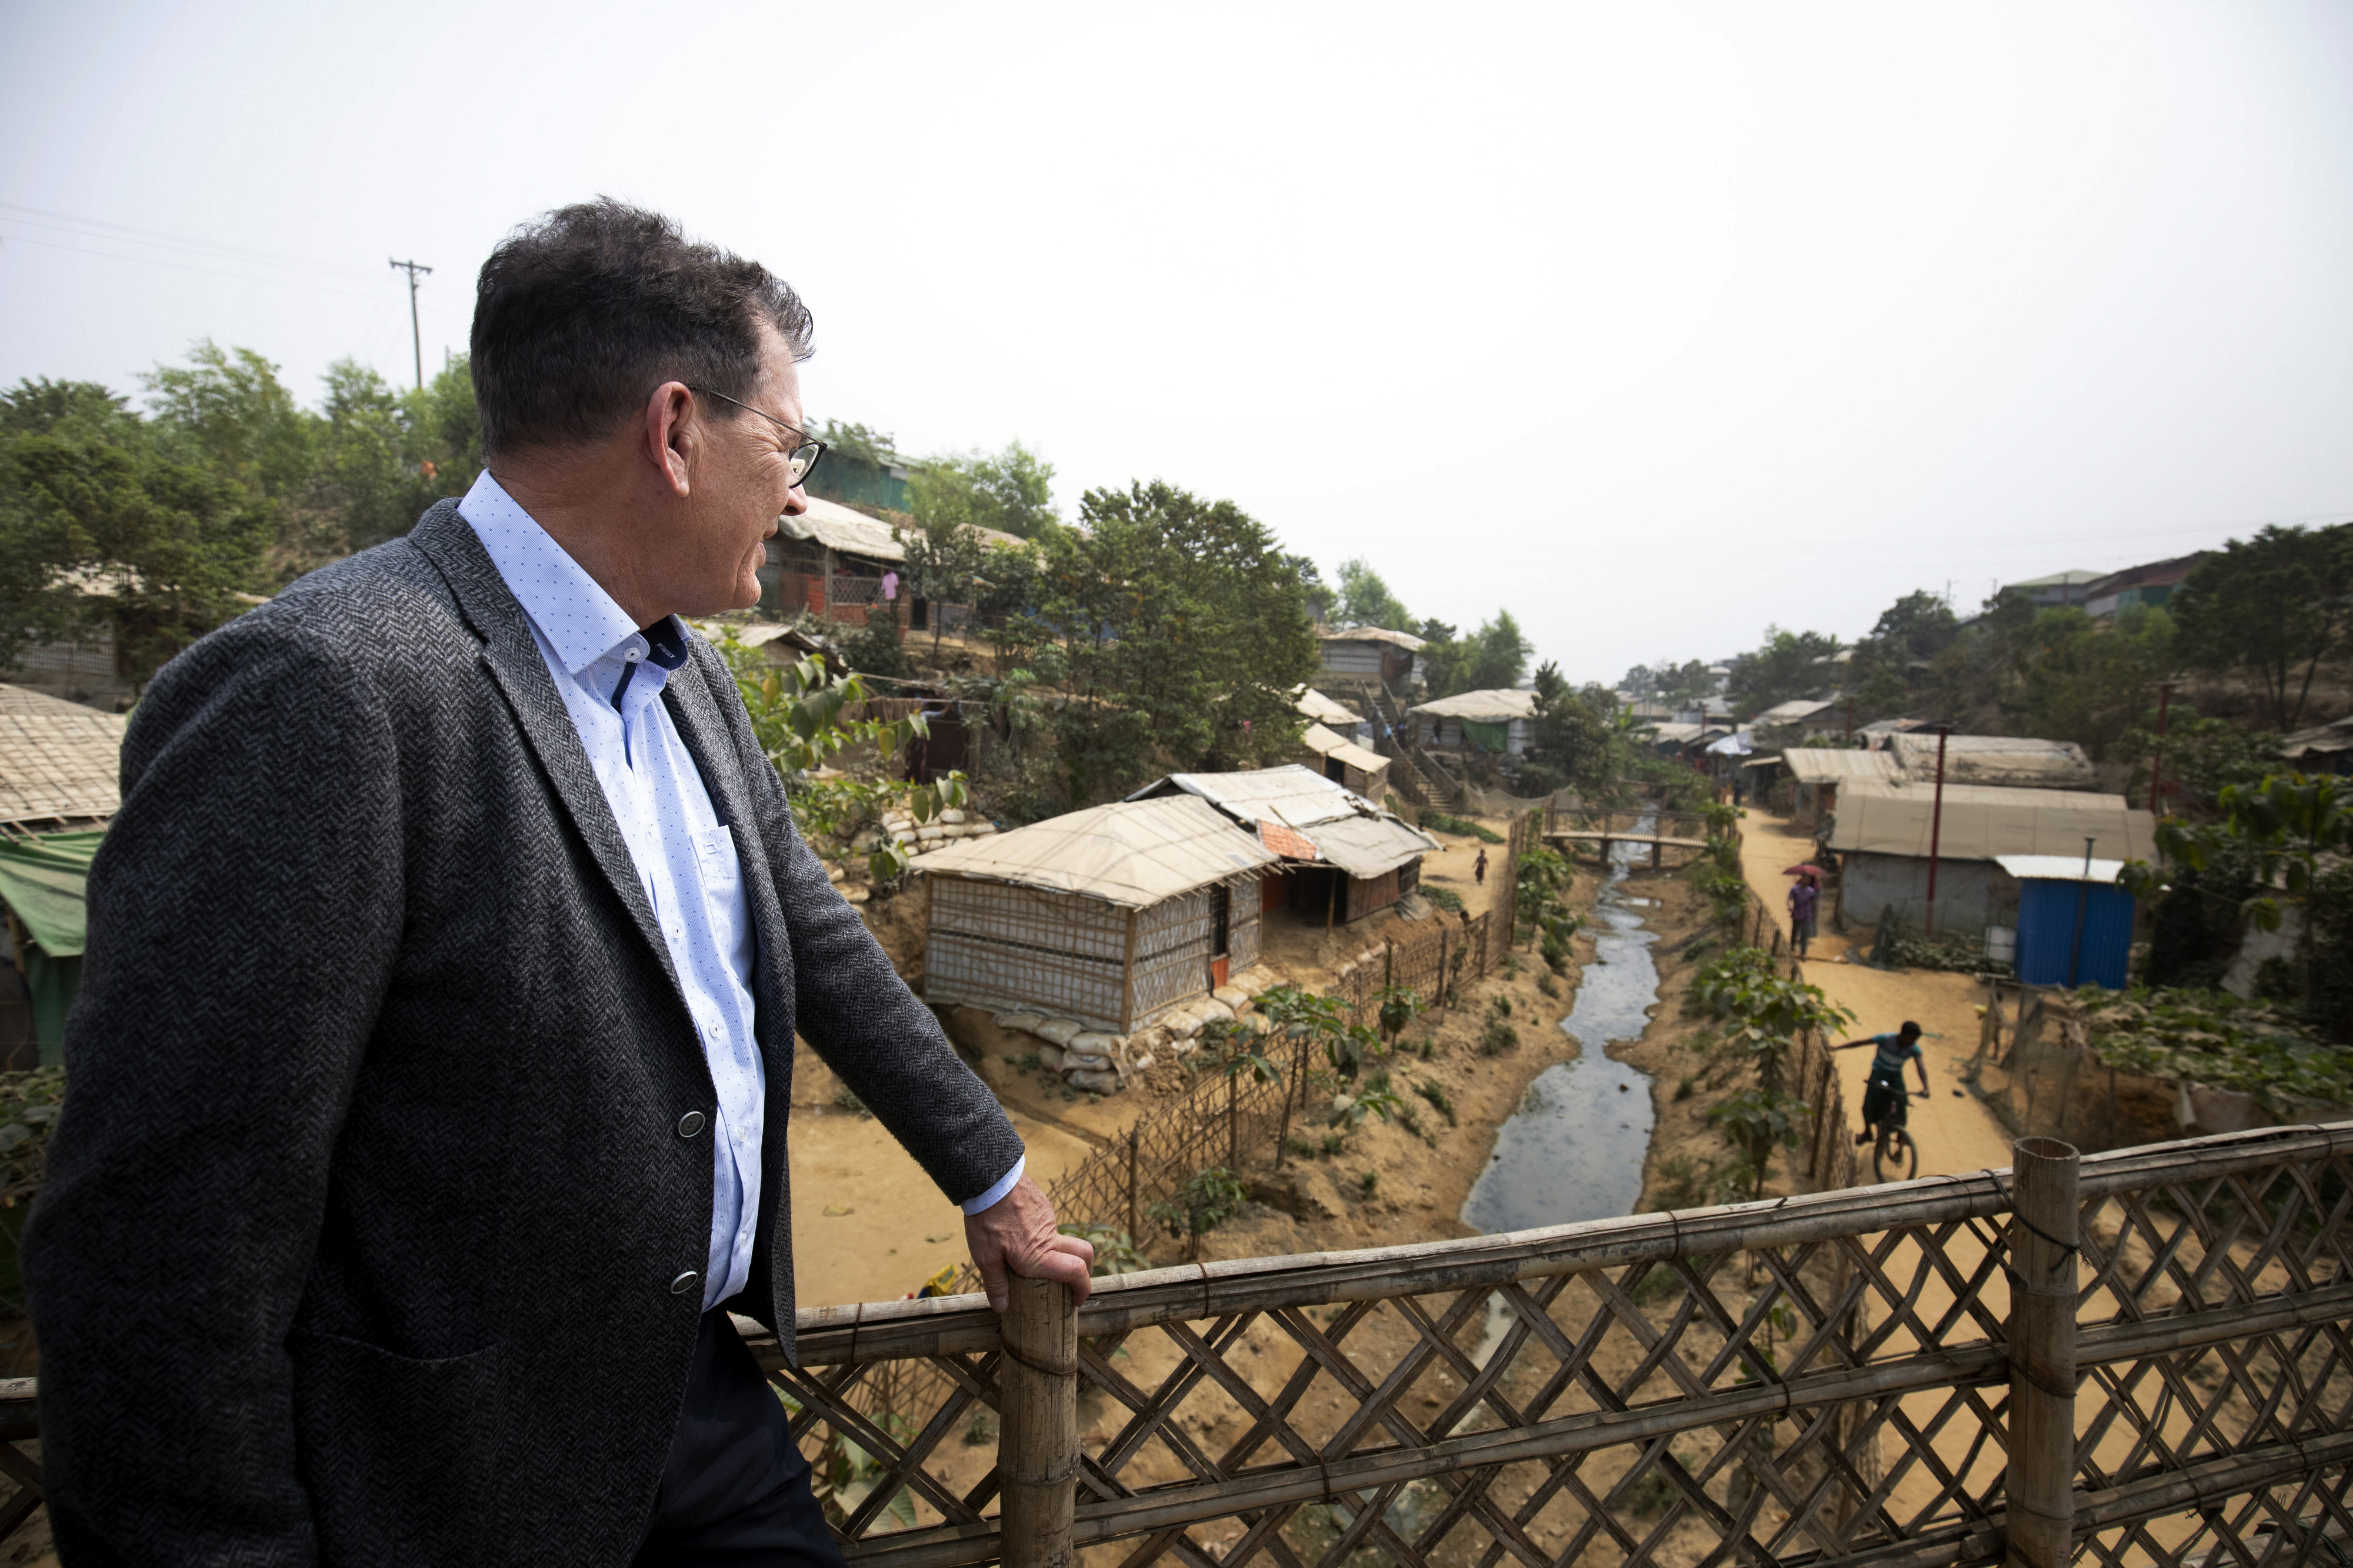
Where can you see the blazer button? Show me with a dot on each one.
(690, 1124)
(683, 1283)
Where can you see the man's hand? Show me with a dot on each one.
(1015, 1234)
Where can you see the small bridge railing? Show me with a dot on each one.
(1912, 1374)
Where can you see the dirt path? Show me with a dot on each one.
(1955, 1129)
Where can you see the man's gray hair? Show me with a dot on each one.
(581, 314)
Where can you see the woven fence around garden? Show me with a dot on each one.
(2141, 1358)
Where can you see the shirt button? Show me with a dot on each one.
(683, 1283)
(690, 1124)
(634, 655)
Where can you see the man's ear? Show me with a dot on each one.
(671, 433)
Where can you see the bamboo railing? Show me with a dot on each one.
(1912, 1374)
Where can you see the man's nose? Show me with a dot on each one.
(796, 502)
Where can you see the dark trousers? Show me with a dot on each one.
(735, 1490)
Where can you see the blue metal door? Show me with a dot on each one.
(2047, 945)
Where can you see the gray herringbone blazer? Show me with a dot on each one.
(358, 1234)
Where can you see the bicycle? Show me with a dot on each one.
(1895, 1148)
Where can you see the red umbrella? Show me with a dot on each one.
(1807, 869)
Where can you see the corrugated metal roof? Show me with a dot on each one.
(1134, 853)
(58, 759)
(1347, 830)
(1789, 713)
(2058, 868)
(1495, 706)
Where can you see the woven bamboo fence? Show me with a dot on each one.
(2141, 1359)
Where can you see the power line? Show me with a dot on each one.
(119, 233)
(183, 266)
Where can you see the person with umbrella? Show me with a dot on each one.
(1803, 899)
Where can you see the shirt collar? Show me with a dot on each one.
(580, 621)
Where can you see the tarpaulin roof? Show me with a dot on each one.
(1406, 640)
(1324, 710)
(1497, 706)
(839, 527)
(1789, 713)
(1981, 822)
(58, 759)
(1324, 743)
(1347, 830)
(1132, 853)
(1995, 760)
(1735, 744)
(1820, 765)
(43, 880)
(2320, 741)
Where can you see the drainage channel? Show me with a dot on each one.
(1574, 1147)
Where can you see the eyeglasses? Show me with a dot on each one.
(802, 458)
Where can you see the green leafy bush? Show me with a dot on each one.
(1438, 822)
(2213, 1037)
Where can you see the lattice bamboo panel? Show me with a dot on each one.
(1815, 1379)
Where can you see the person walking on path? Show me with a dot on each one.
(1884, 1096)
(1479, 869)
(1803, 898)
(435, 1042)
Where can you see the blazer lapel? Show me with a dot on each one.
(513, 658)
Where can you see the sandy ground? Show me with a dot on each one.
(1955, 1129)
(867, 1224)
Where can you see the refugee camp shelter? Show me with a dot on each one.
(1817, 772)
(2075, 923)
(1113, 916)
(1318, 708)
(58, 766)
(1881, 834)
(2012, 761)
(1344, 763)
(1808, 715)
(839, 565)
(1344, 857)
(2146, 585)
(2323, 749)
(1497, 721)
(1360, 656)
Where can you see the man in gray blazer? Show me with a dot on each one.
(433, 1049)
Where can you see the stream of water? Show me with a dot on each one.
(1574, 1149)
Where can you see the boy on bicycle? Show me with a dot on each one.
(1883, 1101)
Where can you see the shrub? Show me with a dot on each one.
(1435, 1093)
(1208, 1199)
(1369, 1182)
(1438, 822)
(1498, 1037)
(1446, 899)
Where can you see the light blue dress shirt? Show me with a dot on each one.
(685, 859)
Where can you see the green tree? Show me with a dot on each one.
(1010, 491)
(1783, 667)
(1317, 594)
(1365, 599)
(1903, 645)
(2274, 606)
(1577, 734)
(946, 565)
(1179, 632)
(1499, 658)
(2081, 681)
(102, 525)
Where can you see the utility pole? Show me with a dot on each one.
(415, 336)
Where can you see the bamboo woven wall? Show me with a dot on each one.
(1004, 946)
(1824, 1379)
(1172, 955)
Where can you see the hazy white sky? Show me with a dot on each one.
(1654, 324)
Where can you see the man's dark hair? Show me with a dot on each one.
(1910, 1030)
(579, 316)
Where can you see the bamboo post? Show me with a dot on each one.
(1134, 1131)
(1442, 968)
(2040, 1483)
(1038, 1446)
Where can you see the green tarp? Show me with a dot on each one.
(43, 882)
(1486, 737)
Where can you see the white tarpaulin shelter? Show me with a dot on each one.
(1347, 830)
(1365, 772)
(1314, 705)
(2015, 760)
(1820, 765)
(1982, 822)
